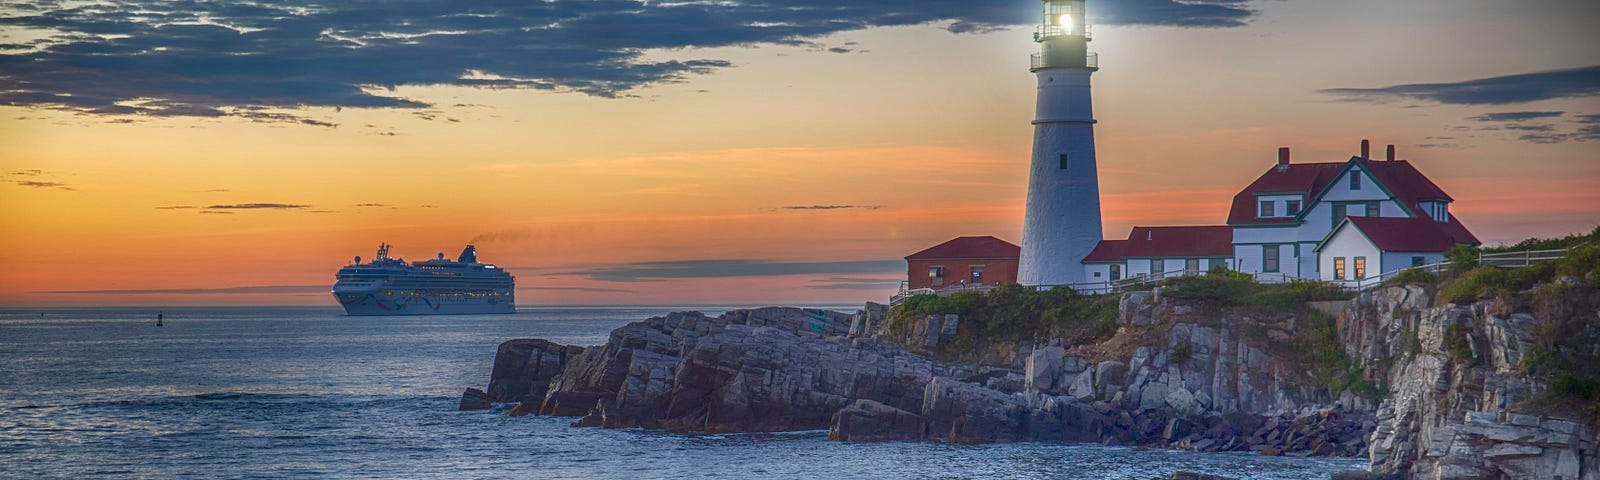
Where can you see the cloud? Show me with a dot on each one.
(268, 61)
(1509, 89)
(652, 271)
(854, 283)
(363, 205)
(258, 206)
(1514, 116)
(38, 184)
(831, 207)
(28, 173)
(261, 289)
(175, 207)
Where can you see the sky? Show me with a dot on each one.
(158, 152)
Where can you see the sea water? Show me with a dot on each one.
(310, 393)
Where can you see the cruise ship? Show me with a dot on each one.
(388, 286)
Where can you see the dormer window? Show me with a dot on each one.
(1438, 211)
(1266, 209)
(1292, 207)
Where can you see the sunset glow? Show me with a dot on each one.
(800, 172)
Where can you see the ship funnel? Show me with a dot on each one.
(468, 255)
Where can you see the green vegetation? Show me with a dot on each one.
(1568, 241)
(1222, 287)
(1182, 352)
(1015, 315)
(1316, 347)
(1415, 277)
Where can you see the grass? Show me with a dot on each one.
(1221, 288)
(1013, 315)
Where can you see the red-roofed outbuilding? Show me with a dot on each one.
(982, 260)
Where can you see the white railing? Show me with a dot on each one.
(905, 292)
(1524, 258)
(1038, 61)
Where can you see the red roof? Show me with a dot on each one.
(1187, 242)
(1306, 179)
(1408, 185)
(1422, 234)
(969, 247)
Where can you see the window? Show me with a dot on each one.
(1361, 268)
(1292, 207)
(1269, 258)
(1192, 265)
(1266, 209)
(1063, 161)
(1116, 272)
(1355, 179)
(1338, 268)
(1338, 213)
(1418, 261)
(1096, 274)
(1372, 209)
(936, 272)
(1157, 266)
(977, 275)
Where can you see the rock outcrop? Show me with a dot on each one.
(1176, 375)
(1459, 407)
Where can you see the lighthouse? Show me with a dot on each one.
(1062, 223)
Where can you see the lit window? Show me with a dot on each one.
(1338, 268)
(1361, 267)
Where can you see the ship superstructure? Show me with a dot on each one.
(391, 286)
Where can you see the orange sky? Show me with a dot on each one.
(924, 134)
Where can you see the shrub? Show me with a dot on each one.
(1462, 257)
(1416, 276)
(1475, 283)
(1182, 352)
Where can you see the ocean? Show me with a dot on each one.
(264, 392)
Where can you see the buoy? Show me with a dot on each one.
(158, 320)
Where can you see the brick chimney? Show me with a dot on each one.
(1390, 155)
(1366, 149)
(1283, 159)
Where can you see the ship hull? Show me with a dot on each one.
(388, 303)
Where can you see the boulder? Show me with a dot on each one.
(474, 399)
(523, 369)
(870, 421)
(959, 412)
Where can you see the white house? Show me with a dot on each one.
(1284, 222)
(1338, 221)
(1367, 247)
(1158, 251)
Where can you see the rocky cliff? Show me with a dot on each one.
(1462, 402)
(1427, 389)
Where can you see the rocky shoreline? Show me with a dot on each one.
(1188, 379)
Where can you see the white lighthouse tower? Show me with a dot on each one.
(1063, 218)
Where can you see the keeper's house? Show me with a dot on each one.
(1342, 221)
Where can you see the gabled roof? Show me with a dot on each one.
(1187, 242)
(1398, 177)
(1396, 234)
(1307, 179)
(969, 247)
